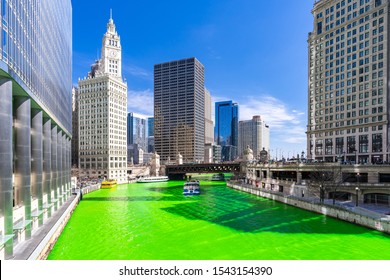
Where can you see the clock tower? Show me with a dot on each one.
(103, 114)
(111, 51)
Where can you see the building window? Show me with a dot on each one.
(363, 144)
(377, 143)
(351, 144)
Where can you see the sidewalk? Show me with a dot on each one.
(375, 211)
(24, 250)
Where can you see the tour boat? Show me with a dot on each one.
(218, 177)
(108, 184)
(153, 179)
(191, 188)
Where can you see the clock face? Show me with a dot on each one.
(113, 53)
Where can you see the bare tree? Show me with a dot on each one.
(326, 178)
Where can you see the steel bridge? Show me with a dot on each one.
(178, 171)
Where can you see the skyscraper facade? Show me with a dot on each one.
(150, 138)
(209, 125)
(179, 110)
(136, 137)
(75, 126)
(102, 114)
(136, 130)
(35, 115)
(226, 128)
(348, 94)
(150, 126)
(255, 134)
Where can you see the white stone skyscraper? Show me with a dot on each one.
(255, 134)
(348, 90)
(208, 118)
(102, 114)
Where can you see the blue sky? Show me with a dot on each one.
(254, 53)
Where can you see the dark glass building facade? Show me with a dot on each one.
(35, 115)
(226, 128)
(150, 127)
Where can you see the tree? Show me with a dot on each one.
(326, 178)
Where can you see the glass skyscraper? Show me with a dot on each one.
(136, 137)
(226, 128)
(150, 127)
(35, 114)
(150, 138)
(136, 130)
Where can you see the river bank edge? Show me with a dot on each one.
(373, 220)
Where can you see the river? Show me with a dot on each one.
(156, 222)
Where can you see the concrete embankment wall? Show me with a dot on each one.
(378, 223)
(46, 245)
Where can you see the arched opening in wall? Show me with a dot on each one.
(377, 198)
(340, 196)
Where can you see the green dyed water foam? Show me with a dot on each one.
(155, 221)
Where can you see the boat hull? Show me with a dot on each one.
(153, 180)
(191, 192)
(108, 184)
(191, 188)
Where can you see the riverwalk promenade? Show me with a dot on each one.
(42, 240)
(44, 237)
(368, 215)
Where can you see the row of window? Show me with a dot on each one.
(338, 146)
(113, 151)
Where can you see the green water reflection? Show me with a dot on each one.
(155, 221)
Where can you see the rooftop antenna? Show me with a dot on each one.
(111, 14)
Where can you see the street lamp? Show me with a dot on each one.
(357, 188)
(357, 198)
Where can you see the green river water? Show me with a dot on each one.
(156, 222)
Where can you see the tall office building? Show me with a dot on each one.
(349, 81)
(255, 134)
(35, 115)
(136, 130)
(75, 126)
(102, 114)
(150, 138)
(150, 126)
(226, 129)
(136, 136)
(179, 110)
(208, 118)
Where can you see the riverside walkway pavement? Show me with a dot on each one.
(25, 250)
(375, 211)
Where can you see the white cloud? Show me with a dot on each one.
(287, 126)
(140, 102)
(273, 111)
(136, 71)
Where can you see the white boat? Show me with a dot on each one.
(191, 188)
(153, 179)
(218, 177)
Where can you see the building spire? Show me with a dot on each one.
(111, 25)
